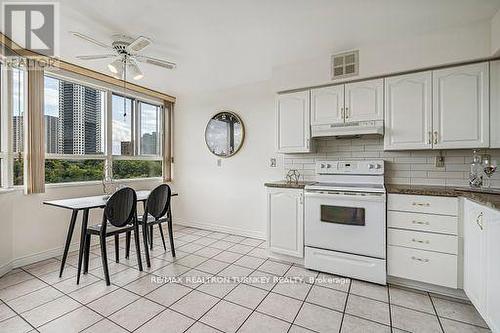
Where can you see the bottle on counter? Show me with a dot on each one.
(476, 170)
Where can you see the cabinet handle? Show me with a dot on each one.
(346, 113)
(420, 259)
(420, 222)
(419, 241)
(308, 142)
(430, 137)
(421, 204)
(300, 199)
(342, 113)
(435, 137)
(479, 221)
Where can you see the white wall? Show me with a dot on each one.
(232, 197)
(6, 231)
(495, 34)
(443, 47)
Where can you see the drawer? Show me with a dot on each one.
(424, 266)
(442, 224)
(423, 204)
(423, 240)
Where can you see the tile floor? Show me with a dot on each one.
(34, 299)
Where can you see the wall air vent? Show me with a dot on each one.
(345, 64)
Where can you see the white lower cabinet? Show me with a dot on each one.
(285, 221)
(482, 261)
(422, 239)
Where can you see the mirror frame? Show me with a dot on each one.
(237, 149)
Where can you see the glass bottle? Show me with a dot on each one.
(476, 170)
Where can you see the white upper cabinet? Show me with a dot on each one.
(364, 100)
(461, 107)
(408, 112)
(327, 105)
(495, 104)
(293, 123)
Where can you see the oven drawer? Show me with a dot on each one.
(423, 204)
(424, 266)
(423, 240)
(423, 222)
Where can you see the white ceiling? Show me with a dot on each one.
(223, 43)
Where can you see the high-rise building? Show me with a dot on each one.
(79, 119)
(51, 134)
(18, 132)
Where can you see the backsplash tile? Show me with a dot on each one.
(402, 167)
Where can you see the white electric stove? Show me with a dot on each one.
(345, 220)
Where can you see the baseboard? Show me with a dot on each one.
(221, 228)
(455, 293)
(4, 269)
(36, 257)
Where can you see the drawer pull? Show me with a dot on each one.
(420, 259)
(421, 204)
(420, 222)
(419, 241)
(479, 220)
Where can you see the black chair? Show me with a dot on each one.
(156, 211)
(120, 216)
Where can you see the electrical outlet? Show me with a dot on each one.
(273, 162)
(439, 161)
(219, 162)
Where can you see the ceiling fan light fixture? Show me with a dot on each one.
(116, 66)
(135, 71)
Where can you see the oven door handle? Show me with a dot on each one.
(342, 195)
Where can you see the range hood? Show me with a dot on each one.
(348, 129)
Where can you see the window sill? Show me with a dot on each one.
(98, 182)
(7, 190)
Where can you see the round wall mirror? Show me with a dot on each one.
(224, 134)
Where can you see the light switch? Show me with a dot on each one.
(273, 162)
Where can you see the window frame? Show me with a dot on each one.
(107, 156)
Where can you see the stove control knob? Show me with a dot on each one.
(328, 165)
(322, 166)
(378, 166)
(371, 166)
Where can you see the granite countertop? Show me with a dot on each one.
(488, 197)
(284, 184)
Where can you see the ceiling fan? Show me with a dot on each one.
(125, 52)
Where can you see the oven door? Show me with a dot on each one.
(347, 222)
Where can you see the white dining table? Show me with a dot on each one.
(85, 204)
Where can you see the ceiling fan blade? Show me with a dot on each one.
(95, 57)
(156, 62)
(90, 39)
(139, 44)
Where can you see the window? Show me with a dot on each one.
(122, 125)
(74, 131)
(18, 112)
(136, 143)
(150, 129)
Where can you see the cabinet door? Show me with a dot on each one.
(493, 271)
(408, 112)
(327, 105)
(285, 216)
(495, 104)
(293, 123)
(474, 255)
(461, 107)
(364, 100)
